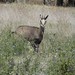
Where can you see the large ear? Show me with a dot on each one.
(46, 17)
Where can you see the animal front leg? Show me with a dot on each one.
(35, 46)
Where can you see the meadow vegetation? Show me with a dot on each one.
(56, 55)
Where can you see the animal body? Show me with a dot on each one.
(33, 34)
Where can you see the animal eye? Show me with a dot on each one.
(40, 22)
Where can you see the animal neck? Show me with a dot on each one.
(42, 29)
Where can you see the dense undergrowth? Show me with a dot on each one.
(56, 56)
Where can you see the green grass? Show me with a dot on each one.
(56, 55)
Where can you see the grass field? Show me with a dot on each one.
(56, 55)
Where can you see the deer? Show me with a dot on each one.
(33, 34)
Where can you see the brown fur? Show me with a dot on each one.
(33, 34)
(28, 32)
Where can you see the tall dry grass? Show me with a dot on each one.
(18, 14)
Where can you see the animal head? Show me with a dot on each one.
(43, 20)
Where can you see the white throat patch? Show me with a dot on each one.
(43, 21)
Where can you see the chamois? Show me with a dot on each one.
(33, 34)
